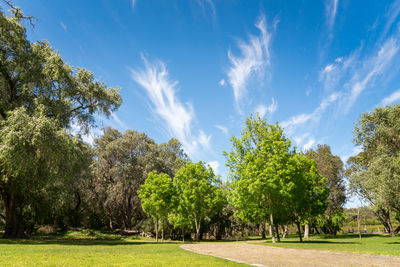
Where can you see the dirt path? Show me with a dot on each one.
(258, 255)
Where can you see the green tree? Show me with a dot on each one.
(304, 191)
(37, 86)
(257, 165)
(173, 156)
(156, 195)
(122, 164)
(375, 172)
(331, 167)
(196, 193)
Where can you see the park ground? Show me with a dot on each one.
(97, 249)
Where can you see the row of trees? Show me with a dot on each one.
(270, 181)
(48, 175)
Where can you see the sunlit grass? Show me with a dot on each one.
(370, 243)
(96, 249)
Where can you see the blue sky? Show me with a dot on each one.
(195, 69)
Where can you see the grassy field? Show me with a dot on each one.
(76, 249)
(370, 243)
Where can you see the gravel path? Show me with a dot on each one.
(258, 255)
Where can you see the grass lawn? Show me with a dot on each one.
(74, 249)
(370, 243)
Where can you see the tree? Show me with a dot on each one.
(304, 191)
(257, 165)
(375, 172)
(121, 167)
(156, 195)
(194, 185)
(40, 96)
(173, 156)
(331, 167)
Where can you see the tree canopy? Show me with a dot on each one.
(375, 172)
(40, 97)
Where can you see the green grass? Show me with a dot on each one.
(370, 243)
(77, 249)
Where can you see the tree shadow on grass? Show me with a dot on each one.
(81, 242)
(316, 242)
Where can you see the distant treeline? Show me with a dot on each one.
(126, 181)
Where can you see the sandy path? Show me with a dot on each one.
(258, 255)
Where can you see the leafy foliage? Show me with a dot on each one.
(374, 172)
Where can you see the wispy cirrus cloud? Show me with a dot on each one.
(372, 68)
(270, 109)
(118, 121)
(292, 123)
(353, 74)
(331, 7)
(223, 129)
(391, 16)
(63, 26)
(346, 78)
(177, 117)
(253, 61)
(208, 4)
(391, 99)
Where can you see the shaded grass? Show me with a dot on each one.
(370, 243)
(74, 249)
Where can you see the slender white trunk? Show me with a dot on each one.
(271, 224)
(306, 230)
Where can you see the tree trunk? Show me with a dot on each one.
(271, 223)
(306, 230)
(358, 223)
(14, 220)
(197, 224)
(384, 216)
(299, 229)
(277, 232)
(156, 230)
(284, 231)
(162, 230)
(262, 227)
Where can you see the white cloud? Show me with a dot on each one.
(299, 139)
(204, 3)
(118, 121)
(204, 140)
(63, 26)
(254, 60)
(161, 91)
(394, 11)
(295, 121)
(372, 67)
(310, 143)
(394, 97)
(222, 82)
(262, 109)
(329, 68)
(335, 72)
(223, 129)
(214, 165)
(331, 10)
